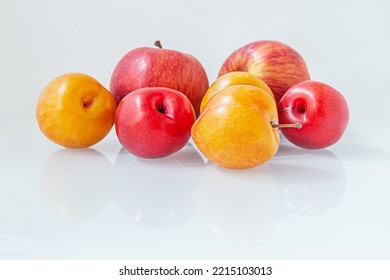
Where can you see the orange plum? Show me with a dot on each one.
(230, 79)
(75, 111)
(235, 129)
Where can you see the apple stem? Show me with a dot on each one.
(158, 44)
(287, 125)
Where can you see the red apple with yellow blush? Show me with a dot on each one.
(159, 67)
(276, 63)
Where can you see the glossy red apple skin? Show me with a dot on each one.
(158, 67)
(322, 111)
(154, 122)
(276, 63)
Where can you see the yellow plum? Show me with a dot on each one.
(235, 128)
(75, 111)
(230, 79)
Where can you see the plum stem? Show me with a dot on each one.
(158, 44)
(287, 125)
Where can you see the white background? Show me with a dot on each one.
(102, 203)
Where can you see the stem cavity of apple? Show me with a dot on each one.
(287, 125)
(161, 109)
(158, 44)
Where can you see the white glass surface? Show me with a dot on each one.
(103, 203)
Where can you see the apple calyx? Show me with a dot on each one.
(296, 125)
(158, 44)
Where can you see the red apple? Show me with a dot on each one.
(275, 63)
(320, 109)
(158, 67)
(154, 122)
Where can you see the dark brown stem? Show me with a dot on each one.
(287, 125)
(158, 44)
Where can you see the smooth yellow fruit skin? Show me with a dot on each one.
(75, 111)
(235, 131)
(230, 79)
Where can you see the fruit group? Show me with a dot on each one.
(276, 63)
(154, 122)
(158, 67)
(235, 130)
(75, 111)
(322, 111)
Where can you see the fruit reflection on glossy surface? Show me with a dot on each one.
(276, 63)
(75, 111)
(238, 206)
(154, 193)
(77, 184)
(235, 131)
(322, 111)
(230, 79)
(305, 187)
